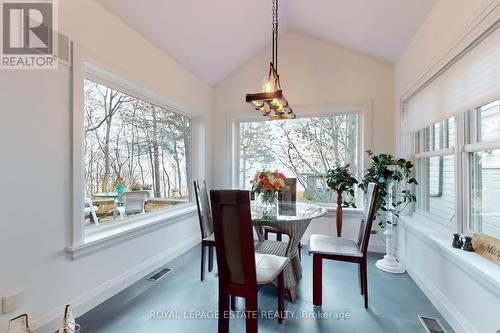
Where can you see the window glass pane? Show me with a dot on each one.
(489, 122)
(302, 148)
(427, 139)
(485, 191)
(436, 190)
(437, 136)
(137, 155)
(451, 132)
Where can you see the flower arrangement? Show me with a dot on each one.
(135, 186)
(268, 182)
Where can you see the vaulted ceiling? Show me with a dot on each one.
(212, 38)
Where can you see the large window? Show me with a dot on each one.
(436, 170)
(137, 155)
(303, 148)
(479, 177)
(483, 162)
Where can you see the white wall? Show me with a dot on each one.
(314, 74)
(455, 293)
(35, 141)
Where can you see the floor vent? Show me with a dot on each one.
(158, 275)
(431, 325)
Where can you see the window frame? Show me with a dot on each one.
(85, 67)
(422, 150)
(467, 127)
(472, 144)
(363, 109)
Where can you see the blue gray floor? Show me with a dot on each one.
(180, 302)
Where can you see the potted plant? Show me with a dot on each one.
(394, 178)
(267, 184)
(135, 186)
(341, 181)
(119, 186)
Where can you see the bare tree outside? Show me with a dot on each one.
(145, 146)
(303, 148)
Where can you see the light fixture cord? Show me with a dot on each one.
(275, 34)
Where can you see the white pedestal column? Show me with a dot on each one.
(389, 262)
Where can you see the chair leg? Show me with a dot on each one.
(281, 297)
(223, 322)
(279, 236)
(266, 234)
(210, 258)
(360, 274)
(251, 314)
(365, 282)
(299, 249)
(317, 279)
(202, 274)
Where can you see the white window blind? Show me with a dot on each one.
(471, 81)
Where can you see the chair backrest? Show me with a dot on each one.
(233, 233)
(365, 226)
(290, 195)
(134, 201)
(204, 210)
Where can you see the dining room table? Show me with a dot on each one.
(292, 219)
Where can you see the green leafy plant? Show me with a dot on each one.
(384, 170)
(341, 180)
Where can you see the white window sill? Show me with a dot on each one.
(100, 237)
(347, 211)
(439, 237)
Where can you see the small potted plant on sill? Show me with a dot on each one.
(394, 178)
(343, 183)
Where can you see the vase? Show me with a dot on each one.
(339, 214)
(269, 204)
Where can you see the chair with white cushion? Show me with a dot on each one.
(342, 249)
(240, 269)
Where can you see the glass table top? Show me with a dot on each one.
(288, 211)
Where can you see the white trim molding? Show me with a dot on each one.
(84, 240)
(484, 273)
(102, 238)
(50, 322)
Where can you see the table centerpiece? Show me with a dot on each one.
(267, 184)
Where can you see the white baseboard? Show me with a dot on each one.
(50, 322)
(458, 322)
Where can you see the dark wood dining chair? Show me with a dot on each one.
(206, 225)
(240, 269)
(342, 249)
(290, 195)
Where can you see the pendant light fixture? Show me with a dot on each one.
(271, 101)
